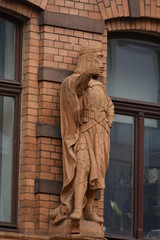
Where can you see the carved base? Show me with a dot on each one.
(83, 229)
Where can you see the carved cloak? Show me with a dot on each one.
(70, 109)
(70, 118)
(70, 114)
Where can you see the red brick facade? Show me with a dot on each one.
(50, 53)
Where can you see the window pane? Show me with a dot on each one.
(6, 156)
(152, 178)
(119, 190)
(7, 49)
(134, 70)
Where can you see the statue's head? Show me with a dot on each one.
(90, 56)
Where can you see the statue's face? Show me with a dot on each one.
(97, 62)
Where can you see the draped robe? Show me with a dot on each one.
(90, 116)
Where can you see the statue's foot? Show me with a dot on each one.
(76, 215)
(91, 216)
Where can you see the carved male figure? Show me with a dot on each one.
(86, 118)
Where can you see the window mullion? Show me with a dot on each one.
(140, 175)
(135, 178)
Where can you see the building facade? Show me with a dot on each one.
(39, 46)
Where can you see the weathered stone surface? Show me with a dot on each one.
(87, 114)
(87, 230)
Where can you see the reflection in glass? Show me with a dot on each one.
(134, 70)
(119, 187)
(7, 49)
(152, 178)
(6, 156)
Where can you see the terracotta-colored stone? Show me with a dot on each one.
(86, 118)
(91, 230)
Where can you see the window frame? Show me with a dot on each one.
(13, 88)
(139, 110)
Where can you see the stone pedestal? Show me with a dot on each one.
(76, 230)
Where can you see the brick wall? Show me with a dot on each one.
(84, 8)
(50, 53)
(29, 118)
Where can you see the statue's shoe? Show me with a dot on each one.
(91, 216)
(76, 215)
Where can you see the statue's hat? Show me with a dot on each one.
(90, 48)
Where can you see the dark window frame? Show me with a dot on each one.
(139, 110)
(13, 88)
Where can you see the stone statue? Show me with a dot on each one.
(86, 118)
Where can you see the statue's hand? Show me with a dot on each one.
(110, 124)
(83, 80)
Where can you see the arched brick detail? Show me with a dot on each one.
(113, 8)
(17, 8)
(147, 25)
(110, 9)
(150, 8)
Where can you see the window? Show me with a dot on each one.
(132, 194)
(10, 89)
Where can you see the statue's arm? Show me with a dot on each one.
(82, 82)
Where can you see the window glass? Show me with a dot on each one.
(6, 156)
(119, 183)
(7, 50)
(152, 179)
(134, 70)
